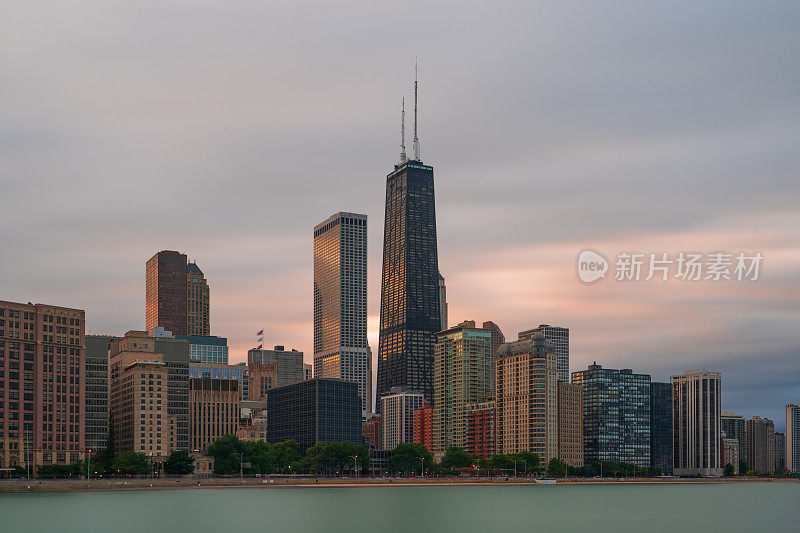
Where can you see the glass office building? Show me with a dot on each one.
(206, 348)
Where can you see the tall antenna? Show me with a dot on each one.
(403, 133)
(416, 139)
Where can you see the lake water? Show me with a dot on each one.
(729, 507)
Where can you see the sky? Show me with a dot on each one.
(227, 130)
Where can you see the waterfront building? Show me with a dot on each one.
(96, 391)
(198, 301)
(780, 452)
(730, 453)
(138, 396)
(213, 410)
(442, 302)
(316, 410)
(423, 425)
(289, 363)
(397, 416)
(461, 375)
(42, 369)
(497, 339)
(175, 354)
(661, 427)
(616, 415)
(527, 397)
(222, 371)
(261, 377)
(761, 444)
(206, 348)
(570, 423)
(410, 312)
(371, 429)
(166, 301)
(697, 436)
(734, 427)
(340, 302)
(560, 338)
(481, 429)
(793, 437)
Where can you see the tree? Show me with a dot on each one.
(410, 456)
(556, 467)
(179, 463)
(729, 471)
(456, 458)
(530, 462)
(227, 452)
(743, 467)
(131, 464)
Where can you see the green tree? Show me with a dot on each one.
(530, 462)
(729, 470)
(228, 452)
(179, 463)
(743, 467)
(556, 467)
(131, 464)
(409, 457)
(456, 458)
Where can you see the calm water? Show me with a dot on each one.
(729, 507)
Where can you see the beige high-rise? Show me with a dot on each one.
(138, 396)
(570, 423)
(213, 410)
(697, 442)
(527, 397)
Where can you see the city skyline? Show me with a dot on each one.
(664, 162)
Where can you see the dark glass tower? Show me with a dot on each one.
(410, 316)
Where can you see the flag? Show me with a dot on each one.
(259, 346)
(260, 333)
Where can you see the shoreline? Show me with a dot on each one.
(114, 485)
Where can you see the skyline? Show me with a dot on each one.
(695, 150)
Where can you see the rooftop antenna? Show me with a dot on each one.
(403, 157)
(416, 139)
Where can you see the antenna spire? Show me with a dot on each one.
(416, 139)
(403, 133)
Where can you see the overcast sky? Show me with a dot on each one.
(227, 130)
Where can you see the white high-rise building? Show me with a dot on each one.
(397, 416)
(793, 437)
(340, 303)
(560, 338)
(697, 432)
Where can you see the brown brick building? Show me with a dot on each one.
(213, 410)
(480, 429)
(42, 361)
(371, 428)
(261, 378)
(166, 295)
(570, 423)
(423, 426)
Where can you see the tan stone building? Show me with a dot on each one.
(42, 398)
(213, 410)
(138, 396)
(570, 423)
(527, 397)
(261, 378)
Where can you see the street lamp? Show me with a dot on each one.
(88, 466)
(423, 467)
(355, 465)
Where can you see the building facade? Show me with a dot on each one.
(220, 371)
(96, 391)
(661, 427)
(461, 375)
(175, 354)
(397, 416)
(527, 398)
(206, 348)
(138, 396)
(560, 339)
(570, 423)
(780, 452)
(213, 410)
(793, 437)
(261, 377)
(442, 302)
(166, 299)
(423, 426)
(497, 339)
(42, 399)
(410, 314)
(481, 429)
(371, 429)
(289, 363)
(340, 302)
(730, 454)
(697, 435)
(616, 415)
(316, 410)
(734, 426)
(198, 300)
(761, 445)
(308, 371)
